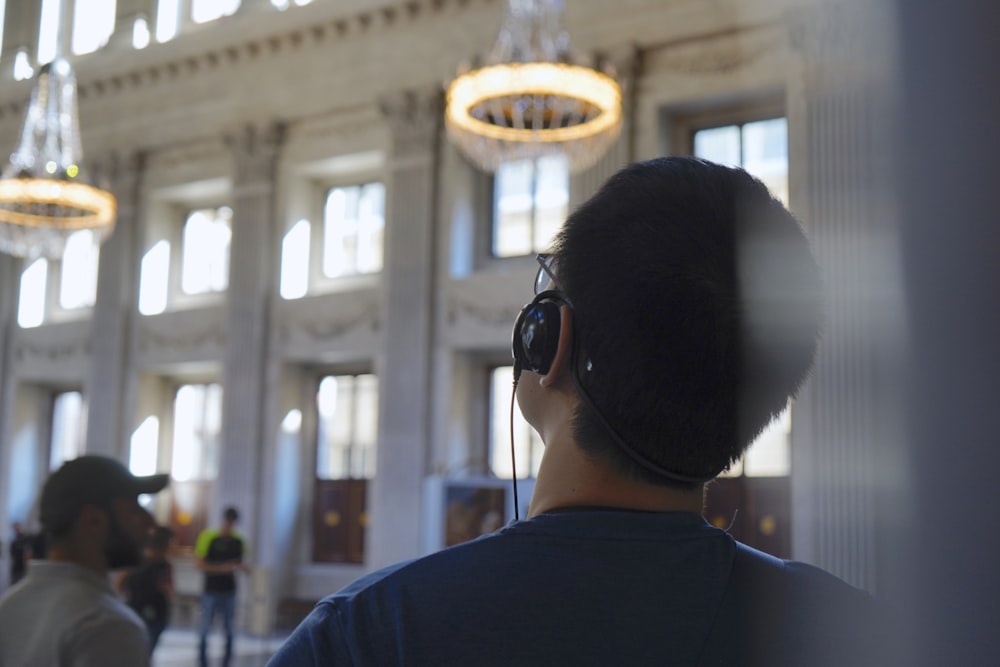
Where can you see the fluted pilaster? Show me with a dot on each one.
(252, 274)
(112, 346)
(626, 63)
(404, 380)
(839, 188)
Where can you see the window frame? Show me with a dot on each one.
(53, 311)
(490, 205)
(168, 213)
(308, 203)
(310, 434)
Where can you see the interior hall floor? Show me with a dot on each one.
(178, 647)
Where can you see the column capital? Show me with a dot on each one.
(255, 150)
(415, 118)
(843, 38)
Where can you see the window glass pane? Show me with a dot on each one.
(365, 427)
(22, 66)
(48, 31)
(347, 427)
(768, 456)
(295, 261)
(31, 300)
(205, 250)
(353, 230)
(551, 199)
(528, 446)
(93, 23)
(530, 203)
(153, 275)
(371, 228)
(209, 10)
(765, 154)
(69, 427)
(167, 19)
(197, 421)
(78, 280)
(140, 33)
(719, 144)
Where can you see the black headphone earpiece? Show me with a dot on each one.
(536, 333)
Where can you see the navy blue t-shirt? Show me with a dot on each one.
(584, 587)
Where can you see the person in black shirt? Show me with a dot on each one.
(220, 555)
(149, 588)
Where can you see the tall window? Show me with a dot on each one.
(69, 426)
(205, 250)
(349, 242)
(209, 10)
(348, 424)
(93, 23)
(530, 202)
(760, 147)
(347, 431)
(528, 446)
(752, 499)
(353, 229)
(74, 278)
(78, 273)
(197, 423)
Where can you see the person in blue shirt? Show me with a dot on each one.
(679, 311)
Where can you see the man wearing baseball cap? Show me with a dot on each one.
(65, 612)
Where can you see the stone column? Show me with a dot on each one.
(625, 63)
(253, 262)
(112, 346)
(408, 276)
(9, 282)
(126, 14)
(838, 186)
(20, 31)
(254, 6)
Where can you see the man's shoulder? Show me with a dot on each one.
(789, 612)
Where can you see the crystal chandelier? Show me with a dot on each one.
(531, 99)
(43, 196)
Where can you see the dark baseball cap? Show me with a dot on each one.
(91, 480)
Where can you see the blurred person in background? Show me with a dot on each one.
(65, 611)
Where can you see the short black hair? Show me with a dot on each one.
(231, 514)
(696, 309)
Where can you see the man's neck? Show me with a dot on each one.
(569, 478)
(69, 553)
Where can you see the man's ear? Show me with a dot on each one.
(93, 520)
(564, 351)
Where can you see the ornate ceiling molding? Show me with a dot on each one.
(303, 36)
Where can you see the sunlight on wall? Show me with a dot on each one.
(31, 302)
(292, 421)
(144, 446)
(153, 279)
(69, 427)
(295, 261)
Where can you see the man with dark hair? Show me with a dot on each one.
(220, 555)
(65, 612)
(678, 313)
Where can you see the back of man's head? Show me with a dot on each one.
(696, 310)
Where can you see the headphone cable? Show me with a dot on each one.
(513, 461)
